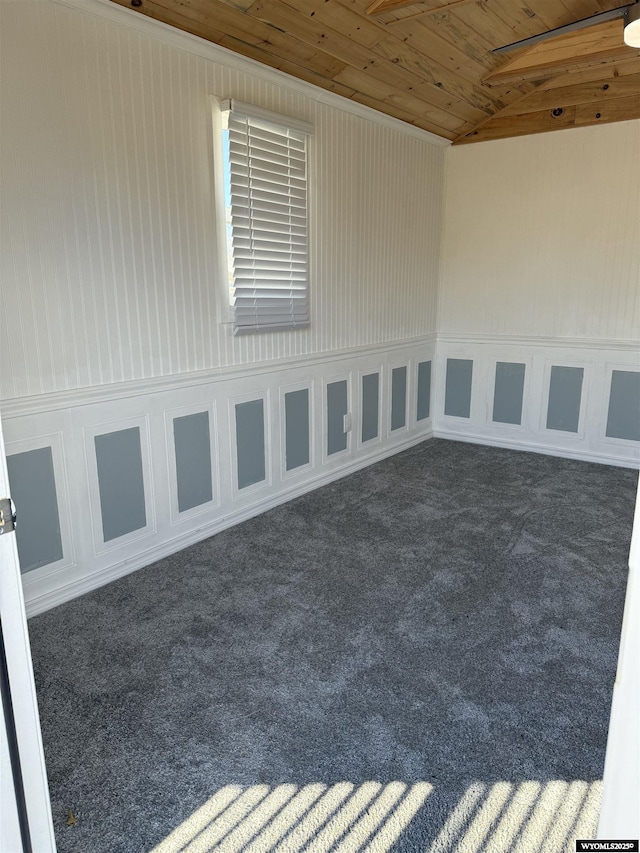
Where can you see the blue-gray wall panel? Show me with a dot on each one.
(370, 405)
(337, 408)
(121, 483)
(33, 489)
(508, 392)
(457, 395)
(565, 393)
(398, 397)
(623, 420)
(192, 445)
(296, 416)
(250, 443)
(423, 405)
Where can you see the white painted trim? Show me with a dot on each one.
(178, 517)
(330, 379)
(56, 400)
(308, 386)
(371, 442)
(215, 53)
(65, 592)
(394, 364)
(238, 494)
(244, 110)
(539, 341)
(492, 368)
(609, 367)
(581, 433)
(54, 440)
(90, 433)
(532, 447)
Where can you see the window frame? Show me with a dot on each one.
(223, 177)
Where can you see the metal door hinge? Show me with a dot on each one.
(8, 516)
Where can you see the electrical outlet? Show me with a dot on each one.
(346, 422)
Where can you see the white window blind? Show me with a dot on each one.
(267, 177)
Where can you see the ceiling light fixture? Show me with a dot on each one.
(632, 25)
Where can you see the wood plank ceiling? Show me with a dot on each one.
(430, 63)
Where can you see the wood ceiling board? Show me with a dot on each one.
(426, 70)
(519, 125)
(168, 15)
(198, 17)
(600, 42)
(594, 73)
(578, 9)
(424, 37)
(419, 9)
(463, 96)
(579, 93)
(343, 17)
(278, 14)
(409, 118)
(458, 31)
(367, 85)
(285, 66)
(379, 6)
(604, 112)
(582, 115)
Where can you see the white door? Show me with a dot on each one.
(25, 811)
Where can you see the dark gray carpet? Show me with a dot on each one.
(450, 615)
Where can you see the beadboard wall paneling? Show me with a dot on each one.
(541, 236)
(108, 233)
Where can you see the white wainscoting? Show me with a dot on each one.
(69, 422)
(598, 358)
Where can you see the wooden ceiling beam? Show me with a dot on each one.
(598, 43)
(580, 93)
(379, 6)
(619, 68)
(580, 115)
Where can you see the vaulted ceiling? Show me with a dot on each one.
(431, 62)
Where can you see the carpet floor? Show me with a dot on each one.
(418, 657)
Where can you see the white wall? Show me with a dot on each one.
(541, 266)
(541, 236)
(107, 239)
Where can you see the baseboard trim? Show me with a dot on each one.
(74, 588)
(532, 447)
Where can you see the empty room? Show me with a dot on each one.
(320, 425)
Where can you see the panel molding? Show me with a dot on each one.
(40, 602)
(55, 441)
(352, 406)
(182, 411)
(283, 390)
(609, 368)
(93, 567)
(100, 546)
(240, 493)
(590, 443)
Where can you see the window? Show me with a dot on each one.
(265, 176)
